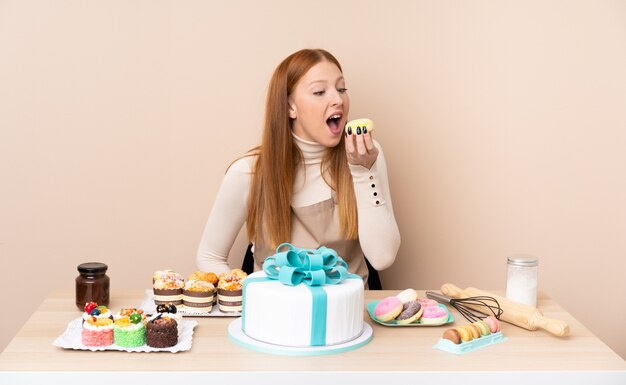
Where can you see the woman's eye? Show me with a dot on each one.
(342, 90)
(319, 93)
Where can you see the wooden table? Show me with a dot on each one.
(395, 355)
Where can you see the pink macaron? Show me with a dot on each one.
(388, 309)
(493, 323)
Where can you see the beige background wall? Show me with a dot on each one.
(504, 125)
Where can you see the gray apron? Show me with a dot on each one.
(318, 225)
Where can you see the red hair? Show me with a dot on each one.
(278, 156)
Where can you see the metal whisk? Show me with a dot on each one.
(472, 308)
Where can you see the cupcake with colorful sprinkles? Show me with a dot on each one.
(130, 332)
(168, 287)
(97, 332)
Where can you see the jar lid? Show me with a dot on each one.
(92, 267)
(523, 260)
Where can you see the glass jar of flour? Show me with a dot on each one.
(521, 279)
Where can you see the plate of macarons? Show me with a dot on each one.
(406, 309)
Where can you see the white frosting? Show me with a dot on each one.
(106, 314)
(89, 326)
(281, 315)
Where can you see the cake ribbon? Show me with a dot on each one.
(313, 267)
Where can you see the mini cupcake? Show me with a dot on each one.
(198, 295)
(229, 291)
(93, 310)
(162, 332)
(207, 277)
(171, 311)
(97, 332)
(168, 287)
(130, 332)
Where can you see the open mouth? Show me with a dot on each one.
(333, 123)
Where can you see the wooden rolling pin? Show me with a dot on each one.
(524, 316)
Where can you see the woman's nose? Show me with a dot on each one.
(336, 100)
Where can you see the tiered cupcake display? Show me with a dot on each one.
(201, 291)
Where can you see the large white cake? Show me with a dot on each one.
(283, 315)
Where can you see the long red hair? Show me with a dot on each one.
(278, 156)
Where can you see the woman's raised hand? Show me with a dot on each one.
(360, 148)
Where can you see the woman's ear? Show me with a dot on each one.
(292, 109)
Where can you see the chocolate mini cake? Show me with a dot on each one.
(162, 332)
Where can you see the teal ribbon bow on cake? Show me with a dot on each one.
(312, 267)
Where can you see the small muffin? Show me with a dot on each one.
(229, 292)
(198, 295)
(162, 332)
(168, 288)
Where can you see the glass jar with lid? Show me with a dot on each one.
(92, 284)
(521, 279)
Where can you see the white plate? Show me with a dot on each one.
(149, 307)
(71, 339)
(237, 335)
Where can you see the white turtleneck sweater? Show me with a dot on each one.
(378, 232)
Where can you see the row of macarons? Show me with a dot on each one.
(475, 330)
(406, 308)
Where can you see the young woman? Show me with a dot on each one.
(308, 183)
